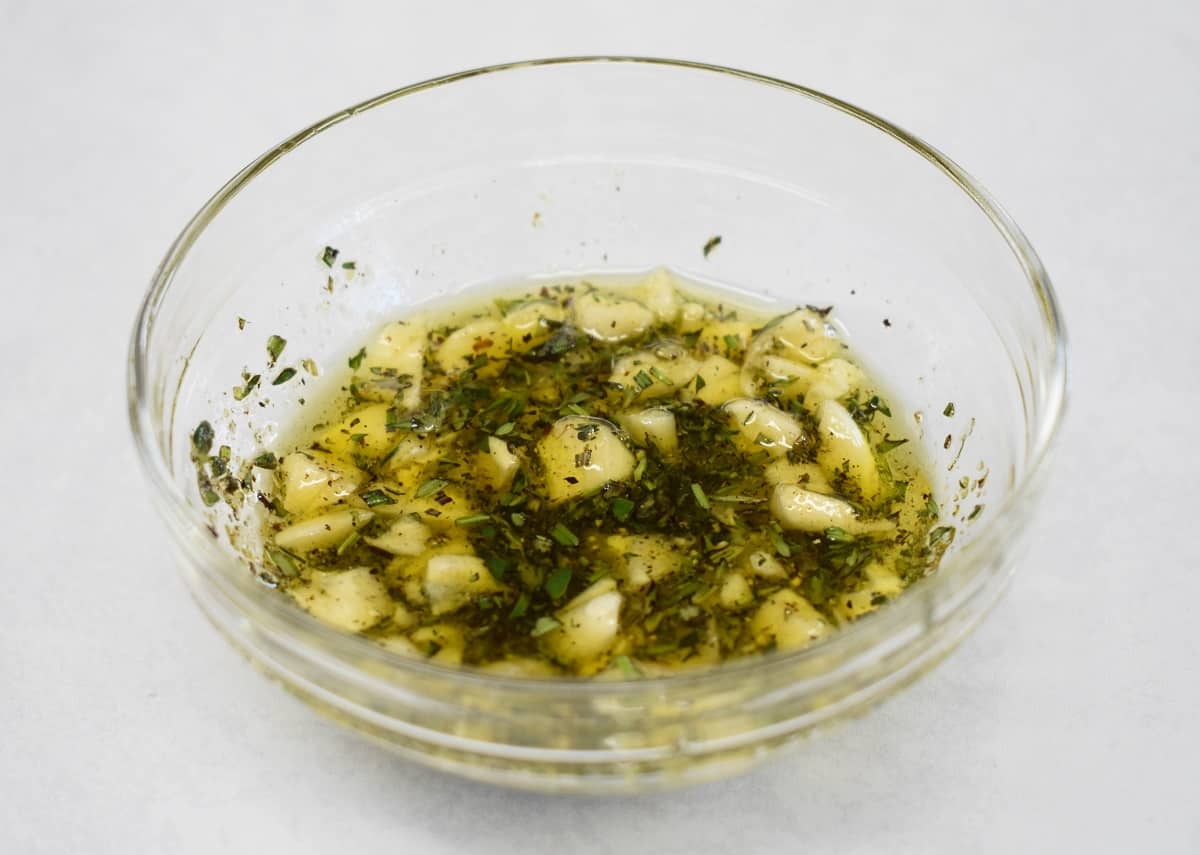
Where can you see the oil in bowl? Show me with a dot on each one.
(593, 477)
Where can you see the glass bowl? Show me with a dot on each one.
(611, 164)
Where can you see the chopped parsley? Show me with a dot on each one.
(519, 607)
(251, 382)
(275, 346)
(431, 487)
(283, 376)
(377, 497)
(202, 438)
(563, 535)
(888, 444)
(622, 508)
(557, 582)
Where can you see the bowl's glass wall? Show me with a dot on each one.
(586, 167)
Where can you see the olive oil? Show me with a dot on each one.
(583, 478)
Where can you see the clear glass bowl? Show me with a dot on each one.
(613, 164)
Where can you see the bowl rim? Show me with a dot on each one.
(841, 645)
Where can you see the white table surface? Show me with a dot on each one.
(1068, 722)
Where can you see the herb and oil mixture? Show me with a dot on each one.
(587, 479)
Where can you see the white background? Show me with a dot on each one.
(1068, 722)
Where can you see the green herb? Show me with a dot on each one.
(309, 366)
(428, 420)
(518, 519)
(732, 343)
(348, 265)
(711, 244)
(544, 625)
(660, 377)
(275, 346)
(329, 256)
(505, 429)
(209, 496)
(975, 511)
(498, 567)
(836, 535)
(284, 561)
(284, 376)
(643, 380)
(428, 488)
(888, 444)
(628, 670)
(241, 392)
(377, 497)
(202, 438)
(266, 460)
(563, 340)
(948, 412)
(864, 411)
(622, 508)
(942, 536)
(357, 359)
(472, 519)
(351, 539)
(777, 541)
(563, 535)
(520, 607)
(556, 584)
(701, 499)
(241, 323)
(700, 384)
